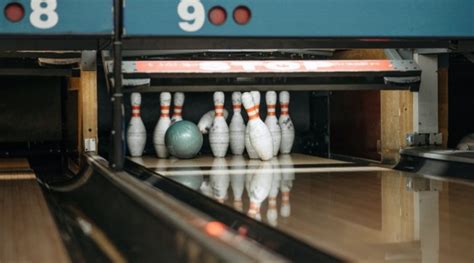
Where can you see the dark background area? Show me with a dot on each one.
(30, 109)
(461, 99)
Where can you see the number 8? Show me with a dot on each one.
(193, 21)
(44, 14)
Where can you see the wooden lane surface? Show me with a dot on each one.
(360, 214)
(28, 232)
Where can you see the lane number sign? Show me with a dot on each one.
(44, 15)
(192, 15)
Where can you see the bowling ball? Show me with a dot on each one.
(183, 140)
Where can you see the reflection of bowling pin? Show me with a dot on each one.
(206, 187)
(259, 188)
(272, 122)
(286, 184)
(286, 125)
(237, 180)
(206, 120)
(248, 145)
(136, 132)
(219, 179)
(162, 125)
(272, 213)
(237, 126)
(219, 133)
(178, 102)
(260, 136)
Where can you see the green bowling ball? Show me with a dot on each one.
(183, 140)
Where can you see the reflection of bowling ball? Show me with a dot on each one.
(183, 139)
(191, 181)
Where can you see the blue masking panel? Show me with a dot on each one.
(70, 17)
(308, 18)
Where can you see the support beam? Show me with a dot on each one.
(88, 110)
(425, 102)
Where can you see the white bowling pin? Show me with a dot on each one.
(272, 122)
(162, 125)
(248, 145)
(237, 180)
(259, 135)
(136, 132)
(178, 101)
(260, 188)
(237, 126)
(286, 125)
(219, 133)
(219, 179)
(286, 184)
(206, 120)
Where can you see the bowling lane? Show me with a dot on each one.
(359, 213)
(28, 232)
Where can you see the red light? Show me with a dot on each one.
(14, 12)
(217, 15)
(242, 15)
(215, 228)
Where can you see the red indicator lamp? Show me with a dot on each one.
(14, 12)
(217, 15)
(215, 228)
(242, 15)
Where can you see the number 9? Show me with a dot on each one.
(192, 21)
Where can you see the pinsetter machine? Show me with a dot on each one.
(371, 176)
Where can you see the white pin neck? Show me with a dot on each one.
(284, 97)
(219, 98)
(237, 101)
(178, 104)
(165, 98)
(249, 106)
(284, 103)
(247, 100)
(255, 97)
(219, 103)
(271, 99)
(165, 101)
(136, 99)
(178, 99)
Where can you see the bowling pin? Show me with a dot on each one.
(259, 135)
(237, 126)
(219, 133)
(178, 101)
(237, 180)
(286, 125)
(272, 122)
(136, 132)
(286, 184)
(260, 185)
(162, 125)
(248, 145)
(206, 120)
(219, 179)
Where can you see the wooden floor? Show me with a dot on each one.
(28, 232)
